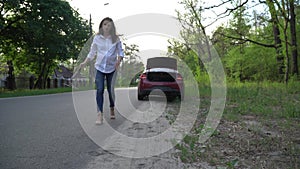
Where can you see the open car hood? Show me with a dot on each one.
(161, 62)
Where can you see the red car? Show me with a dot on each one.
(161, 73)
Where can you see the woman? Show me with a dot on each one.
(107, 47)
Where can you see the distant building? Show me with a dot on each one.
(62, 73)
(65, 77)
(2, 81)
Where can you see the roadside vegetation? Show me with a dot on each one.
(258, 50)
(27, 92)
(259, 128)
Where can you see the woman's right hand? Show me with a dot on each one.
(77, 72)
(82, 65)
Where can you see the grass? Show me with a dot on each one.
(274, 100)
(276, 106)
(26, 92)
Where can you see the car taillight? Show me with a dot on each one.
(179, 77)
(143, 76)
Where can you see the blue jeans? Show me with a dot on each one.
(110, 83)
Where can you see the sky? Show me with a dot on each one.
(118, 9)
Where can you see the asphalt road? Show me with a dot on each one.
(44, 132)
(58, 132)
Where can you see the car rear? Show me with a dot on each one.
(161, 76)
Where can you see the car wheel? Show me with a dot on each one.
(181, 97)
(171, 98)
(140, 96)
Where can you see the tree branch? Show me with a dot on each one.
(216, 6)
(230, 10)
(247, 40)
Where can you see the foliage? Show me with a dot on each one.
(253, 45)
(222, 44)
(37, 34)
(259, 116)
(131, 67)
(254, 64)
(186, 55)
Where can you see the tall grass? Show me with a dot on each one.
(267, 99)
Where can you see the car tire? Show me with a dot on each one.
(181, 97)
(171, 98)
(140, 96)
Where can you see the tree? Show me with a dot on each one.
(276, 34)
(9, 36)
(56, 30)
(285, 9)
(194, 31)
(293, 33)
(131, 66)
(282, 17)
(47, 30)
(186, 54)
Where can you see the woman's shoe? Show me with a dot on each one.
(99, 120)
(112, 113)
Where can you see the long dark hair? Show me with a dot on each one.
(113, 34)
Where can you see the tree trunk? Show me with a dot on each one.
(295, 70)
(41, 81)
(11, 82)
(46, 76)
(91, 65)
(277, 40)
(201, 31)
(286, 76)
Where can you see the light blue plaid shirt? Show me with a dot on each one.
(106, 52)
